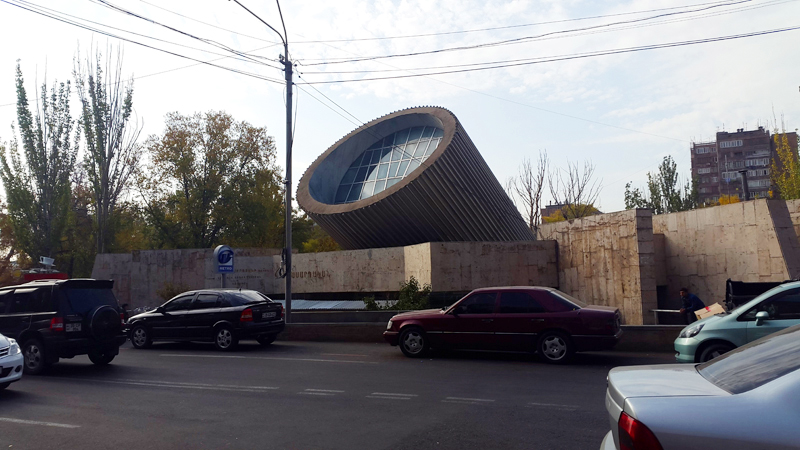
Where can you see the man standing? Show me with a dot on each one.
(691, 303)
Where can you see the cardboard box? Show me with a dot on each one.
(716, 308)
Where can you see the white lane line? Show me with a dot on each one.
(179, 383)
(463, 403)
(36, 422)
(385, 397)
(387, 394)
(326, 394)
(269, 358)
(325, 390)
(183, 386)
(553, 405)
(462, 399)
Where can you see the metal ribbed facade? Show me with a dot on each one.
(452, 196)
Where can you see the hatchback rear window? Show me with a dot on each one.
(246, 297)
(83, 300)
(755, 364)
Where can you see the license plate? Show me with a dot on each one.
(73, 327)
(268, 315)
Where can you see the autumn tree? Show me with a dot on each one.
(564, 213)
(786, 168)
(663, 194)
(527, 187)
(575, 188)
(112, 152)
(36, 173)
(209, 176)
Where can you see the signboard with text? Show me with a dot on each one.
(223, 255)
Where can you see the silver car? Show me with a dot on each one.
(10, 362)
(745, 399)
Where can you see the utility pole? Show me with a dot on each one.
(287, 64)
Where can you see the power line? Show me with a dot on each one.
(444, 33)
(578, 56)
(520, 39)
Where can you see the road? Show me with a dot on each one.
(308, 395)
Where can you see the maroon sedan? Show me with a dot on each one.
(522, 318)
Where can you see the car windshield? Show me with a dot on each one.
(247, 297)
(570, 298)
(83, 300)
(756, 363)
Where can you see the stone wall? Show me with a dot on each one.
(609, 259)
(748, 241)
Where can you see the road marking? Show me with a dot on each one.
(175, 385)
(36, 422)
(269, 358)
(462, 399)
(391, 396)
(388, 398)
(326, 394)
(325, 390)
(553, 405)
(399, 395)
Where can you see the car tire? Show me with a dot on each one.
(101, 359)
(140, 337)
(555, 347)
(413, 342)
(225, 339)
(35, 358)
(266, 339)
(714, 350)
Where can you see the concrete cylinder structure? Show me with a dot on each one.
(446, 192)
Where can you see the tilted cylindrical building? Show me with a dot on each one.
(409, 177)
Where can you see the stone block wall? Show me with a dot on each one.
(608, 259)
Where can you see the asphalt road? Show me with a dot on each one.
(305, 395)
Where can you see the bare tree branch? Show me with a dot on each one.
(575, 189)
(527, 187)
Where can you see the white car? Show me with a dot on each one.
(10, 362)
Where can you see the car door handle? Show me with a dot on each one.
(487, 320)
(537, 320)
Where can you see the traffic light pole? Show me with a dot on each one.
(288, 72)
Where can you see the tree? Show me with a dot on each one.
(728, 199)
(527, 187)
(786, 168)
(319, 241)
(575, 189)
(562, 214)
(663, 194)
(197, 187)
(37, 179)
(112, 151)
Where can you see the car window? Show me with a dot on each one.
(31, 300)
(204, 301)
(241, 298)
(519, 303)
(481, 303)
(179, 304)
(570, 301)
(5, 299)
(756, 363)
(82, 300)
(783, 306)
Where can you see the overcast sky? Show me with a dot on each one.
(623, 111)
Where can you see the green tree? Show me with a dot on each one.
(786, 168)
(37, 178)
(197, 187)
(112, 151)
(319, 241)
(663, 193)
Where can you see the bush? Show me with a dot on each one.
(412, 296)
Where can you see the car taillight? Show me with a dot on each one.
(633, 435)
(57, 324)
(283, 311)
(247, 315)
(122, 318)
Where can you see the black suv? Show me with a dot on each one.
(220, 315)
(54, 319)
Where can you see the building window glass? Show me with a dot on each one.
(386, 162)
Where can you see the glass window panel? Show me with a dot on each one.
(402, 170)
(349, 176)
(376, 145)
(401, 137)
(428, 132)
(393, 169)
(341, 193)
(388, 141)
(372, 173)
(432, 146)
(420, 149)
(369, 186)
(361, 175)
(411, 148)
(391, 182)
(415, 134)
(413, 165)
(355, 192)
(383, 170)
(376, 156)
(438, 133)
(397, 154)
(386, 155)
(365, 160)
(379, 186)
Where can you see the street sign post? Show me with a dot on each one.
(223, 256)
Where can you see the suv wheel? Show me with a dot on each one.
(224, 339)
(140, 337)
(33, 351)
(101, 358)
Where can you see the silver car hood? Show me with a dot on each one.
(666, 380)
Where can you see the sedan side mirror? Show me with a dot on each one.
(161, 310)
(761, 316)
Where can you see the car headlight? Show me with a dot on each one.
(389, 325)
(691, 331)
(14, 349)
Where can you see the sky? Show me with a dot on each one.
(623, 111)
